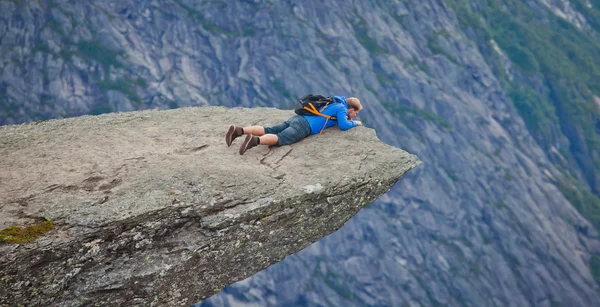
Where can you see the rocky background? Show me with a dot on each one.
(499, 99)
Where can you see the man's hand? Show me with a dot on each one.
(358, 122)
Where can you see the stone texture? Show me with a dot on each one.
(486, 198)
(153, 209)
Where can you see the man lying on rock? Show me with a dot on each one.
(315, 114)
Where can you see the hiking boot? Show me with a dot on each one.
(233, 132)
(249, 142)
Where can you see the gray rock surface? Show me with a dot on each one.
(153, 209)
(480, 223)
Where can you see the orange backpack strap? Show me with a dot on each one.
(323, 108)
(325, 125)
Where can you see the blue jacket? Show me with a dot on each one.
(339, 110)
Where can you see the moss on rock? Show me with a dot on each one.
(24, 234)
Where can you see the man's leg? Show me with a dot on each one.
(253, 141)
(288, 136)
(254, 130)
(265, 138)
(269, 139)
(268, 135)
(235, 131)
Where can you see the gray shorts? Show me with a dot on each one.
(290, 131)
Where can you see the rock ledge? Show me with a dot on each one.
(152, 208)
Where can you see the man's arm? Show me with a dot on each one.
(342, 118)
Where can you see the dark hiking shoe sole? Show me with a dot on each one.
(247, 144)
(230, 135)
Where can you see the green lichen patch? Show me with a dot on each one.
(24, 234)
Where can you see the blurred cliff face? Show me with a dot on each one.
(496, 99)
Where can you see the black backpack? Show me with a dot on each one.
(314, 105)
